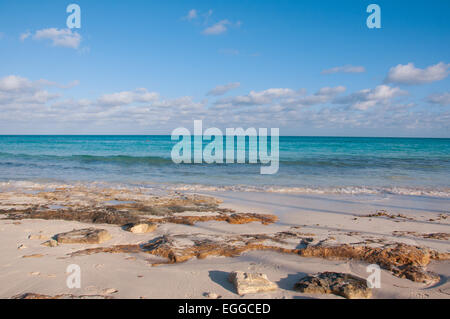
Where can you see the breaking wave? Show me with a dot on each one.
(349, 190)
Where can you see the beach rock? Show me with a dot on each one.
(109, 291)
(250, 283)
(340, 284)
(83, 236)
(403, 261)
(142, 228)
(178, 248)
(38, 237)
(50, 243)
(211, 295)
(416, 273)
(21, 246)
(118, 207)
(122, 207)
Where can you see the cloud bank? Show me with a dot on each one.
(36, 104)
(409, 74)
(65, 38)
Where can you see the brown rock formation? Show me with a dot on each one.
(250, 283)
(180, 248)
(340, 284)
(83, 236)
(88, 206)
(404, 261)
(384, 213)
(141, 228)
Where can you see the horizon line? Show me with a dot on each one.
(324, 136)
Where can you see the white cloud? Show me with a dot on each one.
(20, 84)
(70, 85)
(439, 98)
(368, 98)
(214, 29)
(383, 92)
(192, 14)
(127, 97)
(26, 103)
(409, 74)
(257, 98)
(324, 95)
(222, 89)
(25, 36)
(20, 92)
(14, 83)
(217, 28)
(284, 97)
(38, 97)
(345, 69)
(59, 37)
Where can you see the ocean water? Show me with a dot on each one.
(413, 166)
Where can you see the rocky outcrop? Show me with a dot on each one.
(83, 236)
(404, 261)
(111, 215)
(251, 283)
(241, 218)
(180, 248)
(384, 213)
(141, 228)
(122, 207)
(50, 243)
(340, 284)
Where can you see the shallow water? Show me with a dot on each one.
(307, 164)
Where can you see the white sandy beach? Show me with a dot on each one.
(326, 218)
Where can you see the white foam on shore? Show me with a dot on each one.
(152, 187)
(346, 190)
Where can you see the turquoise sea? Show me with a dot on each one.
(328, 164)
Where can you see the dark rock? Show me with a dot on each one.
(340, 284)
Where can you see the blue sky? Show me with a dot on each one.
(147, 67)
